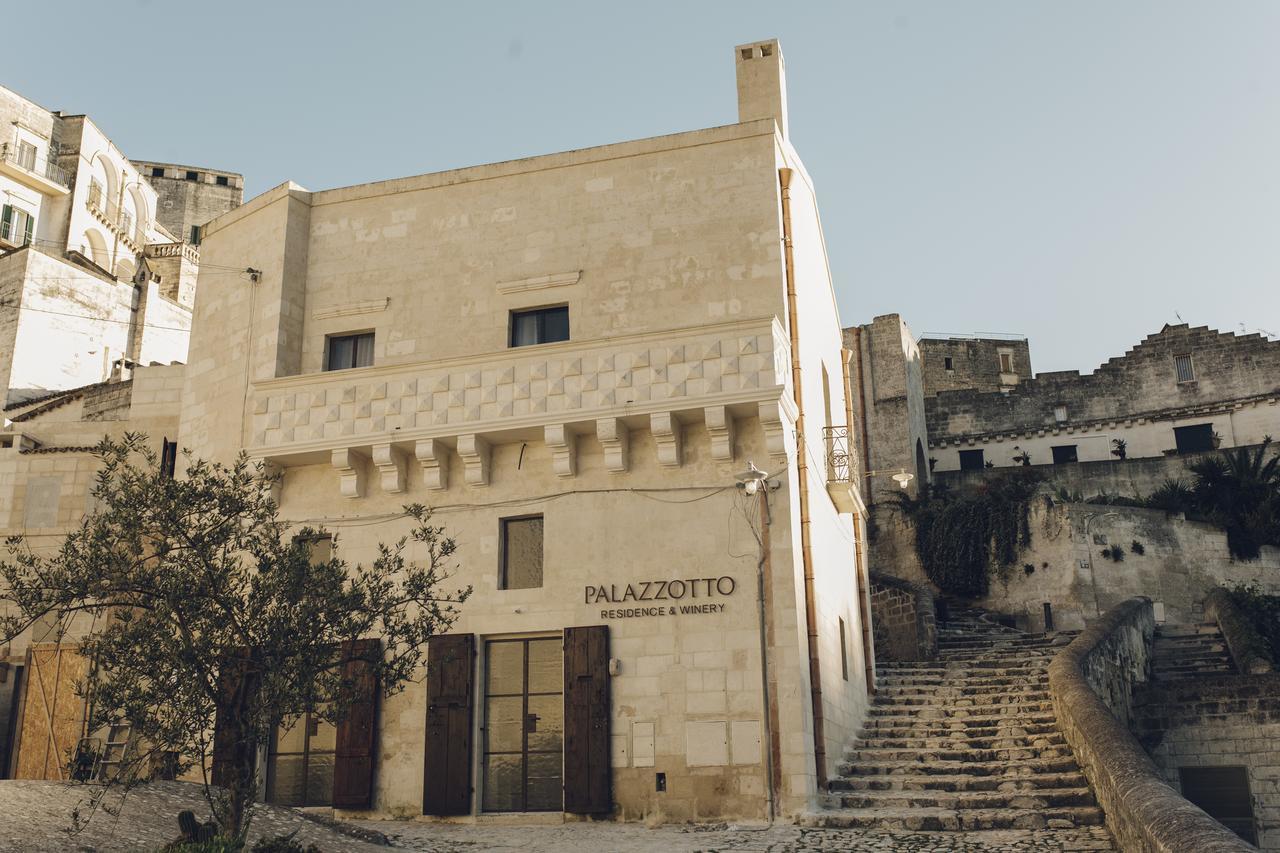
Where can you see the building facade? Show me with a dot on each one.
(572, 358)
(190, 196)
(89, 276)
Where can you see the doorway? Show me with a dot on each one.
(523, 758)
(300, 763)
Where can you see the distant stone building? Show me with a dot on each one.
(190, 196)
(974, 363)
(89, 276)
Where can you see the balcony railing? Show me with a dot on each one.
(840, 464)
(110, 213)
(24, 157)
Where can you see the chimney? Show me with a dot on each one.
(762, 83)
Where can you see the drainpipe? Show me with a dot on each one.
(860, 566)
(802, 476)
(764, 582)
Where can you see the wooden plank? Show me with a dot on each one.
(450, 676)
(53, 715)
(357, 732)
(587, 772)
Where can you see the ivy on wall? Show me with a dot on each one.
(963, 536)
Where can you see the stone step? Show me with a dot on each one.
(929, 755)
(940, 710)
(943, 680)
(954, 728)
(958, 782)
(960, 691)
(1033, 742)
(1023, 768)
(955, 820)
(1186, 630)
(901, 720)
(1043, 798)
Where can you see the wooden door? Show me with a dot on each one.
(357, 732)
(447, 782)
(587, 775)
(53, 716)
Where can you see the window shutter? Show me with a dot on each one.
(587, 774)
(26, 237)
(447, 780)
(353, 763)
(6, 219)
(226, 743)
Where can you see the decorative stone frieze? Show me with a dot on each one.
(433, 456)
(720, 427)
(668, 435)
(564, 449)
(350, 464)
(616, 440)
(475, 453)
(391, 464)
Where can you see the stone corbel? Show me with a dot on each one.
(391, 465)
(475, 453)
(434, 459)
(720, 428)
(350, 464)
(615, 438)
(564, 449)
(775, 420)
(669, 438)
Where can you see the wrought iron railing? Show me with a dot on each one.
(110, 212)
(24, 157)
(841, 465)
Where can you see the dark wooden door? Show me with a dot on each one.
(447, 783)
(354, 753)
(587, 776)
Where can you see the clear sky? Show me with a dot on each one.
(1078, 172)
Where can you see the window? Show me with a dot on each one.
(540, 326)
(319, 548)
(16, 225)
(348, 351)
(300, 762)
(168, 458)
(1194, 439)
(521, 553)
(1184, 368)
(1223, 792)
(193, 176)
(844, 650)
(195, 235)
(524, 748)
(948, 363)
(1006, 361)
(27, 156)
(157, 172)
(971, 460)
(1060, 414)
(222, 181)
(1064, 453)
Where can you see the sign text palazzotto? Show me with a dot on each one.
(678, 589)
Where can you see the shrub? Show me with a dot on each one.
(1264, 612)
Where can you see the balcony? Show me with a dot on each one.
(842, 468)
(120, 221)
(21, 163)
(394, 415)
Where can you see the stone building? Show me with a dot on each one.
(574, 358)
(974, 363)
(190, 196)
(89, 275)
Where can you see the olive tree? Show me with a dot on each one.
(202, 610)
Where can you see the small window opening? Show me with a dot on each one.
(766, 50)
(1060, 414)
(1006, 361)
(1064, 453)
(746, 53)
(193, 176)
(948, 363)
(348, 351)
(972, 460)
(157, 172)
(521, 557)
(222, 180)
(539, 326)
(1184, 368)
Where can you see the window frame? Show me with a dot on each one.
(540, 312)
(222, 180)
(1002, 356)
(967, 454)
(355, 349)
(1177, 368)
(503, 585)
(1074, 452)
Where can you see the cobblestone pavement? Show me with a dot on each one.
(34, 816)
(634, 838)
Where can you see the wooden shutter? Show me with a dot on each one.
(6, 218)
(587, 775)
(447, 782)
(353, 763)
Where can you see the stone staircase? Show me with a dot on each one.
(967, 743)
(1190, 651)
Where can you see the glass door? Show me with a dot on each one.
(524, 725)
(300, 763)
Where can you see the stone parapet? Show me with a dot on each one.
(1091, 683)
(905, 619)
(1248, 649)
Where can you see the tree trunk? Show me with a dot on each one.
(241, 757)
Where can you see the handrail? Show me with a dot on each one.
(45, 168)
